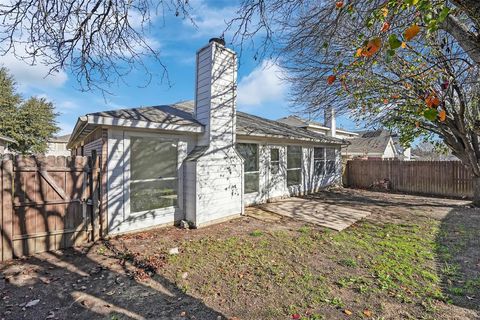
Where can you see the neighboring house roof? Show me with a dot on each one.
(7, 139)
(63, 138)
(370, 145)
(384, 133)
(303, 123)
(179, 116)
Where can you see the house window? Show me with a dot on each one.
(153, 174)
(274, 160)
(294, 165)
(319, 161)
(249, 152)
(330, 155)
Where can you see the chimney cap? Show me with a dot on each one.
(217, 40)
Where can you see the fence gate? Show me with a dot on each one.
(48, 203)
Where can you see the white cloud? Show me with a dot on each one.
(262, 85)
(36, 76)
(210, 21)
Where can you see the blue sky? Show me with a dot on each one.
(260, 90)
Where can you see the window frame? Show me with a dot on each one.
(245, 172)
(295, 168)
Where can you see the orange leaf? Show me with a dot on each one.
(442, 115)
(372, 47)
(331, 79)
(385, 27)
(385, 101)
(417, 124)
(411, 32)
(339, 4)
(359, 52)
(432, 100)
(403, 45)
(347, 312)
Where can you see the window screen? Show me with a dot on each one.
(319, 161)
(153, 174)
(294, 165)
(275, 160)
(249, 152)
(330, 155)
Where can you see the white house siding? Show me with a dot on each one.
(271, 189)
(217, 173)
(91, 146)
(218, 187)
(119, 217)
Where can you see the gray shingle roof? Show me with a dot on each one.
(63, 138)
(247, 124)
(376, 144)
(169, 114)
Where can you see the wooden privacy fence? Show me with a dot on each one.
(438, 178)
(48, 203)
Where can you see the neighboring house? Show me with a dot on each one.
(377, 144)
(4, 143)
(201, 161)
(57, 146)
(328, 128)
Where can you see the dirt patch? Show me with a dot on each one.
(413, 257)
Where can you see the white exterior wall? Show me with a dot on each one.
(120, 219)
(55, 148)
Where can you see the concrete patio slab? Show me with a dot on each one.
(335, 217)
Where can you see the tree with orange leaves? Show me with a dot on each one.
(412, 65)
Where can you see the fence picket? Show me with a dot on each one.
(439, 178)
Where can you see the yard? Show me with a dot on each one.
(412, 258)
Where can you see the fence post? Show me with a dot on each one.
(7, 208)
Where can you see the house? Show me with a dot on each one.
(57, 146)
(4, 143)
(328, 128)
(377, 144)
(201, 160)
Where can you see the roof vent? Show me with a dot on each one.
(217, 40)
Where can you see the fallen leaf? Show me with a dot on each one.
(411, 32)
(347, 312)
(367, 313)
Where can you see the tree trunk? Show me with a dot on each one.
(476, 191)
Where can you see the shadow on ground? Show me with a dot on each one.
(87, 284)
(458, 256)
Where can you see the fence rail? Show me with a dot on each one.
(437, 178)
